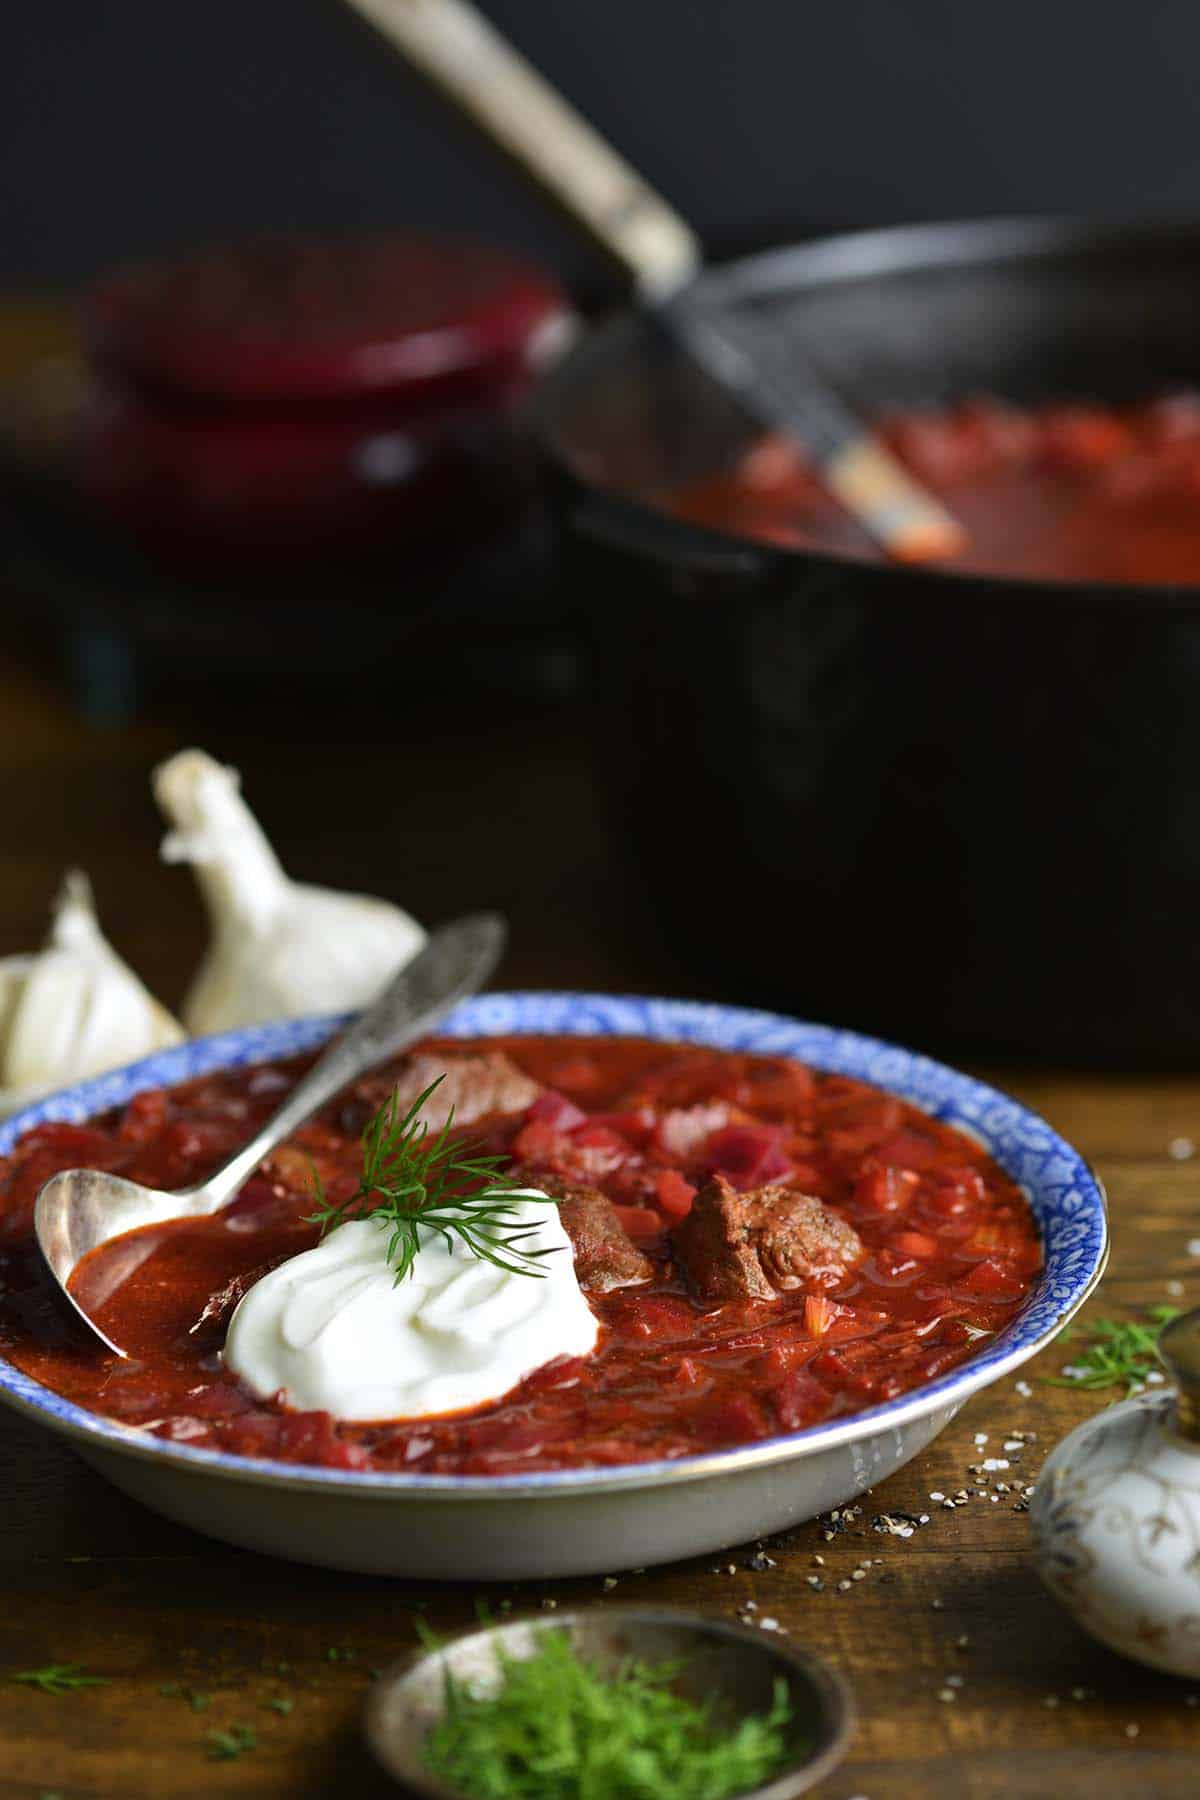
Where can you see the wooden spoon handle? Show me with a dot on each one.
(456, 48)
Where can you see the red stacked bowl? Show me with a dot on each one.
(290, 396)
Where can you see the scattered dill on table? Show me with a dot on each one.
(224, 1746)
(1123, 1352)
(558, 1728)
(60, 1678)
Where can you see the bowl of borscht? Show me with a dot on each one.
(803, 1249)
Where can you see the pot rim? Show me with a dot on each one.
(827, 261)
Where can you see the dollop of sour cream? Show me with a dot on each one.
(333, 1330)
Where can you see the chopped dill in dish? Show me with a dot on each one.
(559, 1728)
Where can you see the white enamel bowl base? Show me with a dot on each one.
(588, 1521)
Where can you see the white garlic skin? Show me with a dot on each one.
(279, 948)
(74, 1009)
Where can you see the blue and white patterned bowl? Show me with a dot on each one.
(585, 1521)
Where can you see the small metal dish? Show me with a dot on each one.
(739, 1665)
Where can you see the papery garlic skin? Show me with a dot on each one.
(74, 1009)
(279, 948)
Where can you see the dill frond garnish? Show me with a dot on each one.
(1123, 1352)
(559, 1728)
(60, 1678)
(412, 1179)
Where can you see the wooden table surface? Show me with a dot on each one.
(375, 798)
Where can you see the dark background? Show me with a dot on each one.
(133, 125)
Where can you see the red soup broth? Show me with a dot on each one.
(1066, 492)
(951, 1253)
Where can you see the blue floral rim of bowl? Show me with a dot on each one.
(1066, 1197)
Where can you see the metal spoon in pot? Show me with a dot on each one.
(80, 1209)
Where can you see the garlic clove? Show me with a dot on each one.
(279, 948)
(75, 1009)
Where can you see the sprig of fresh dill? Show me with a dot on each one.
(411, 1180)
(1122, 1352)
(560, 1728)
(60, 1678)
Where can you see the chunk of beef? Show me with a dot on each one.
(476, 1085)
(606, 1257)
(220, 1306)
(755, 1244)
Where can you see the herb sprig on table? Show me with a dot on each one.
(558, 1728)
(225, 1746)
(412, 1178)
(1123, 1352)
(60, 1678)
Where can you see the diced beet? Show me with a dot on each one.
(855, 1125)
(735, 1418)
(555, 1109)
(633, 1126)
(577, 1073)
(639, 1221)
(957, 1187)
(997, 1237)
(800, 1399)
(913, 1243)
(884, 1189)
(684, 1131)
(746, 1155)
(675, 1195)
(543, 1147)
(221, 1400)
(908, 1149)
(776, 1086)
(311, 1437)
(782, 1357)
(847, 1371)
(592, 1136)
(990, 1279)
(144, 1117)
(536, 1141)
(891, 1268)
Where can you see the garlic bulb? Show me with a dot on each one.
(279, 948)
(73, 1010)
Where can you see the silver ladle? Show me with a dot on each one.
(80, 1209)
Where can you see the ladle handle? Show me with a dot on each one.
(455, 962)
(455, 47)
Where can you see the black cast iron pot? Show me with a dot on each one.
(961, 810)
